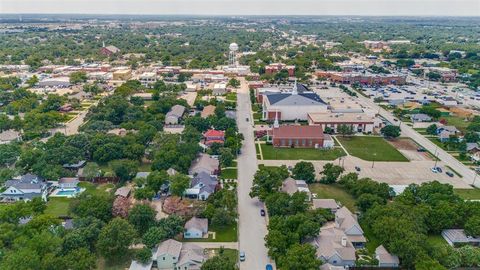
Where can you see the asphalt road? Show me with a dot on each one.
(252, 226)
(467, 173)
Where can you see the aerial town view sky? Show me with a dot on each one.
(248, 7)
(239, 134)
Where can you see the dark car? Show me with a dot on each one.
(357, 168)
(421, 149)
(439, 169)
(262, 212)
(449, 174)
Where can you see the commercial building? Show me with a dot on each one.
(299, 136)
(362, 78)
(292, 105)
(277, 67)
(360, 122)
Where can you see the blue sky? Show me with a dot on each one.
(248, 7)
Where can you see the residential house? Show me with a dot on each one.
(420, 117)
(109, 50)
(202, 186)
(329, 204)
(123, 192)
(474, 151)
(347, 222)
(446, 132)
(204, 163)
(291, 186)
(214, 136)
(219, 89)
(174, 115)
(135, 265)
(207, 111)
(298, 136)
(457, 237)
(333, 247)
(68, 182)
(25, 188)
(385, 259)
(9, 136)
(174, 255)
(293, 105)
(196, 228)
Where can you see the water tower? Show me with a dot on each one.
(232, 56)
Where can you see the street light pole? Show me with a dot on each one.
(373, 160)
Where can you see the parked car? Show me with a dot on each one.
(246, 119)
(439, 169)
(357, 168)
(242, 256)
(421, 149)
(434, 170)
(262, 212)
(449, 174)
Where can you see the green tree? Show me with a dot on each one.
(304, 170)
(234, 83)
(367, 200)
(345, 130)
(32, 81)
(92, 205)
(220, 261)
(156, 179)
(472, 226)
(144, 255)
(178, 184)
(91, 170)
(81, 259)
(390, 131)
(145, 193)
(124, 169)
(300, 257)
(432, 129)
(142, 217)
(331, 173)
(267, 180)
(226, 157)
(78, 77)
(153, 236)
(115, 238)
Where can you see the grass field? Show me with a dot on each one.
(231, 254)
(458, 122)
(468, 194)
(229, 173)
(58, 206)
(271, 153)
(371, 148)
(334, 192)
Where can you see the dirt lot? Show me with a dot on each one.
(409, 149)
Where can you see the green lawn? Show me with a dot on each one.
(371, 148)
(58, 206)
(95, 189)
(231, 96)
(229, 174)
(458, 122)
(334, 192)
(231, 254)
(468, 194)
(271, 153)
(436, 240)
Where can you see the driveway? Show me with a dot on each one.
(252, 226)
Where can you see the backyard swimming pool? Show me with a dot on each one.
(69, 192)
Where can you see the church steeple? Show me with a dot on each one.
(275, 123)
(295, 88)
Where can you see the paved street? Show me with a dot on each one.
(467, 173)
(252, 226)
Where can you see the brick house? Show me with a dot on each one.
(298, 136)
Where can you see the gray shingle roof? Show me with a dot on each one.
(295, 99)
(207, 182)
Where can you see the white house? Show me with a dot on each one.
(174, 255)
(25, 188)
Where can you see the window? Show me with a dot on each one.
(164, 258)
(304, 142)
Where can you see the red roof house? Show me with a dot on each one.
(214, 136)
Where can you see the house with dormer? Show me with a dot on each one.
(25, 188)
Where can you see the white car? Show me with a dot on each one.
(434, 170)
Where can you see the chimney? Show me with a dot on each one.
(344, 241)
